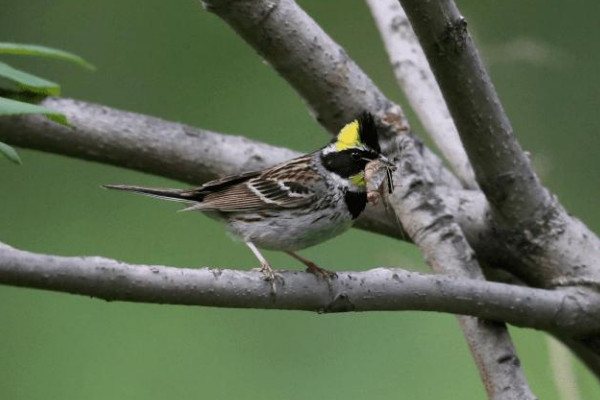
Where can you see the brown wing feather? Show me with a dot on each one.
(263, 191)
(255, 194)
(282, 186)
(228, 180)
(234, 198)
(216, 185)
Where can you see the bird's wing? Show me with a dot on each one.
(255, 194)
(226, 181)
(282, 186)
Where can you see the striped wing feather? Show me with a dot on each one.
(282, 186)
(257, 194)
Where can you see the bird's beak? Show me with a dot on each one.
(384, 160)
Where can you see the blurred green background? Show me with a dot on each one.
(176, 61)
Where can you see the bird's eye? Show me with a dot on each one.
(355, 156)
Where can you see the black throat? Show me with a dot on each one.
(356, 202)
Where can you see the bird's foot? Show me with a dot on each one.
(320, 272)
(313, 268)
(269, 275)
(267, 271)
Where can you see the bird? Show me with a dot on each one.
(293, 205)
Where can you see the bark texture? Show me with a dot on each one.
(555, 248)
(383, 289)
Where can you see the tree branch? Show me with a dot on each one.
(185, 153)
(140, 142)
(502, 168)
(335, 89)
(419, 85)
(581, 350)
(554, 248)
(177, 151)
(553, 245)
(571, 312)
(446, 250)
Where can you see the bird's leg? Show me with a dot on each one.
(312, 267)
(265, 266)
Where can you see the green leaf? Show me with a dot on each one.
(13, 107)
(42, 51)
(10, 153)
(28, 81)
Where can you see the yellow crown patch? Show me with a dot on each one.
(348, 136)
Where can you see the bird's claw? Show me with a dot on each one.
(321, 272)
(269, 276)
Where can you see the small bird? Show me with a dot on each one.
(292, 205)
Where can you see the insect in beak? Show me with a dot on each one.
(378, 172)
(389, 168)
(389, 177)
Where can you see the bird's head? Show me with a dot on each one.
(356, 144)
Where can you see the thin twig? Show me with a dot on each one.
(561, 363)
(581, 349)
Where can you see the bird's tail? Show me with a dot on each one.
(180, 195)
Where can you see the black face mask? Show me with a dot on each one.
(349, 162)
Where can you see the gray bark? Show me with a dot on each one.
(181, 152)
(334, 88)
(555, 248)
(185, 153)
(430, 225)
(568, 311)
(524, 230)
(416, 80)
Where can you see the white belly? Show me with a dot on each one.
(289, 231)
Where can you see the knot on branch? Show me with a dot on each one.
(509, 358)
(531, 235)
(453, 39)
(400, 24)
(341, 303)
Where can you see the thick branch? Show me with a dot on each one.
(556, 248)
(193, 155)
(333, 86)
(184, 153)
(419, 85)
(336, 89)
(141, 142)
(571, 312)
(502, 168)
(446, 250)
